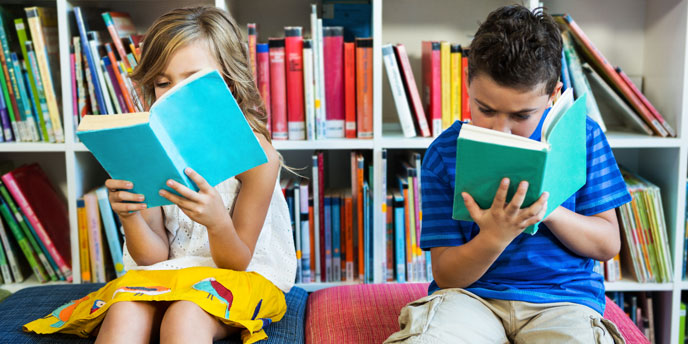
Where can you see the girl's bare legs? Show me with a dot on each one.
(186, 322)
(131, 322)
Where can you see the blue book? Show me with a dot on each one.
(111, 232)
(305, 234)
(399, 237)
(328, 238)
(336, 239)
(86, 49)
(196, 124)
(565, 77)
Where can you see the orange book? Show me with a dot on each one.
(364, 88)
(84, 260)
(359, 204)
(349, 90)
(465, 105)
(641, 233)
(122, 85)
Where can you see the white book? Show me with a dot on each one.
(297, 226)
(397, 87)
(320, 82)
(93, 44)
(9, 257)
(110, 87)
(308, 89)
(316, 219)
(305, 235)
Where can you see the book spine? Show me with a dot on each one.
(126, 100)
(16, 116)
(455, 92)
(98, 77)
(43, 66)
(360, 165)
(75, 96)
(114, 35)
(465, 104)
(11, 131)
(336, 236)
(81, 90)
(110, 86)
(646, 102)
(348, 240)
(30, 99)
(252, 41)
(5, 263)
(320, 83)
(364, 87)
(293, 49)
(308, 89)
(333, 62)
(432, 97)
(40, 92)
(311, 232)
(316, 218)
(445, 79)
(23, 243)
(24, 100)
(26, 208)
(91, 90)
(412, 89)
(395, 83)
(90, 59)
(350, 90)
(296, 215)
(95, 237)
(305, 234)
(84, 260)
(389, 239)
(278, 92)
(263, 71)
(399, 239)
(6, 135)
(328, 238)
(111, 233)
(113, 85)
(21, 34)
(317, 101)
(321, 215)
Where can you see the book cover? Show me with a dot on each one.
(555, 164)
(398, 93)
(645, 102)
(278, 89)
(350, 90)
(111, 232)
(364, 88)
(191, 125)
(412, 89)
(45, 209)
(432, 85)
(333, 62)
(293, 50)
(95, 237)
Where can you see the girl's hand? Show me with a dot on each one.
(504, 222)
(204, 207)
(124, 203)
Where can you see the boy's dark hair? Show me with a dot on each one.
(517, 48)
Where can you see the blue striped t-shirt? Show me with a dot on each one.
(537, 268)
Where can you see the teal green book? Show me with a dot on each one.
(196, 124)
(682, 324)
(556, 164)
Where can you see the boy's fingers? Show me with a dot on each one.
(472, 207)
(518, 198)
(500, 196)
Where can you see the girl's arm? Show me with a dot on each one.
(232, 239)
(595, 236)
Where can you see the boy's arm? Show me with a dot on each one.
(595, 236)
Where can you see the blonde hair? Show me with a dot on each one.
(218, 29)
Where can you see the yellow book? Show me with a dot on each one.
(455, 82)
(34, 16)
(445, 76)
(84, 260)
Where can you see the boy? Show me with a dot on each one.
(493, 283)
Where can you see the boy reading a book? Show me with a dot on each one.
(493, 283)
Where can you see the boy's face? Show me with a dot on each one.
(507, 109)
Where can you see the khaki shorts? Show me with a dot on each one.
(459, 316)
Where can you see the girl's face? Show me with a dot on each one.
(185, 61)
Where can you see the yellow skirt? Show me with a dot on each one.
(239, 299)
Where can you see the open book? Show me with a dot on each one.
(556, 164)
(196, 124)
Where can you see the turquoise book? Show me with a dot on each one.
(556, 163)
(196, 124)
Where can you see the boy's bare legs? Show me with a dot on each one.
(131, 322)
(186, 322)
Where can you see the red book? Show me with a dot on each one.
(293, 48)
(412, 89)
(607, 71)
(263, 70)
(333, 62)
(465, 104)
(252, 40)
(351, 241)
(350, 90)
(278, 89)
(646, 102)
(364, 88)
(45, 209)
(432, 85)
(321, 219)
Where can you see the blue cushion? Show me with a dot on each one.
(35, 302)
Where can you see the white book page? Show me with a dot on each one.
(563, 103)
(474, 133)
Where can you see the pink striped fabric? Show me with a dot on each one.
(368, 313)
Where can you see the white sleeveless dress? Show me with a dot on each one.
(274, 256)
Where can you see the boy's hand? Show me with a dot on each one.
(502, 221)
(205, 206)
(124, 203)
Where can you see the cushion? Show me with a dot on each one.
(368, 313)
(35, 302)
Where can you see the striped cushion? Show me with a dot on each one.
(32, 303)
(368, 313)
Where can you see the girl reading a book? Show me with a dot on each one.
(217, 261)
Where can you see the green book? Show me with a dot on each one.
(556, 164)
(21, 34)
(682, 324)
(23, 242)
(4, 265)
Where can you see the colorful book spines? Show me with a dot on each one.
(432, 85)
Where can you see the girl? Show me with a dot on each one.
(217, 260)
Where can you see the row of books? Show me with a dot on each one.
(100, 65)
(29, 110)
(98, 229)
(644, 244)
(639, 307)
(34, 229)
(315, 88)
(612, 96)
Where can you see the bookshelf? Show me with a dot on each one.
(646, 38)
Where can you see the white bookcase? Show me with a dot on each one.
(645, 38)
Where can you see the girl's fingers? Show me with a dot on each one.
(179, 201)
(183, 190)
(117, 184)
(125, 208)
(198, 179)
(124, 196)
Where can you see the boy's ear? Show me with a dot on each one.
(555, 93)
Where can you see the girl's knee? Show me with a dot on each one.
(131, 310)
